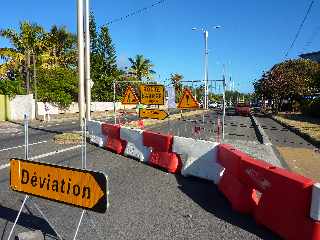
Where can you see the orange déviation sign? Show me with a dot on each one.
(187, 100)
(81, 188)
(130, 97)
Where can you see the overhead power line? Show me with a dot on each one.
(299, 29)
(136, 12)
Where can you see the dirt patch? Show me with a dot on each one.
(68, 138)
(303, 161)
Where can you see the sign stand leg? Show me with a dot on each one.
(18, 216)
(84, 165)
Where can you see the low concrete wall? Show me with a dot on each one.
(95, 107)
(20, 105)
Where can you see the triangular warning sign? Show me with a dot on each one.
(187, 100)
(130, 97)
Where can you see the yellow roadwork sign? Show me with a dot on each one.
(80, 188)
(187, 100)
(130, 97)
(152, 94)
(153, 114)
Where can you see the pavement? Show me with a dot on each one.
(145, 202)
(299, 155)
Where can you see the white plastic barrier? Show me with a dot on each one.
(95, 133)
(199, 158)
(315, 203)
(135, 147)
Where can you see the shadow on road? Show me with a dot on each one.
(207, 196)
(26, 220)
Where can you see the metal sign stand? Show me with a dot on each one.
(83, 163)
(26, 156)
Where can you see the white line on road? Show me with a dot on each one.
(55, 152)
(6, 149)
(3, 166)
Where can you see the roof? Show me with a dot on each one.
(315, 56)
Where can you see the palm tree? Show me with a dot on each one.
(25, 43)
(59, 48)
(141, 67)
(175, 81)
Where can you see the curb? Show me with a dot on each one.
(314, 142)
(264, 139)
(261, 135)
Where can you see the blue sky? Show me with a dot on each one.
(254, 35)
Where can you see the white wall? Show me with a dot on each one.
(95, 107)
(20, 105)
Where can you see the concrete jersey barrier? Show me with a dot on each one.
(135, 147)
(199, 158)
(95, 133)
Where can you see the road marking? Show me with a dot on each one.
(57, 124)
(6, 149)
(3, 166)
(73, 122)
(55, 152)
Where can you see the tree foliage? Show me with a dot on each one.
(141, 67)
(289, 80)
(104, 68)
(57, 85)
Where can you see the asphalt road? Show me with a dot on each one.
(145, 203)
(205, 127)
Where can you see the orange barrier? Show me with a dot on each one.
(113, 141)
(285, 197)
(162, 155)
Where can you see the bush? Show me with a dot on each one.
(311, 107)
(58, 86)
(11, 87)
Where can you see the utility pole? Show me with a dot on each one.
(81, 99)
(87, 62)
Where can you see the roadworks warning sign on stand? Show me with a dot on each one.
(80, 188)
(187, 100)
(130, 97)
(152, 94)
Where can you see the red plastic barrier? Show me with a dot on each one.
(284, 204)
(162, 155)
(159, 142)
(114, 142)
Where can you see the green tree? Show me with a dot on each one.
(104, 68)
(58, 85)
(176, 82)
(290, 80)
(141, 67)
(25, 43)
(59, 49)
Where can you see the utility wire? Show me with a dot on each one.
(136, 12)
(299, 29)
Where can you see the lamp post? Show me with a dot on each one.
(206, 35)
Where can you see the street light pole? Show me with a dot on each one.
(206, 53)
(206, 35)
(87, 62)
(81, 97)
